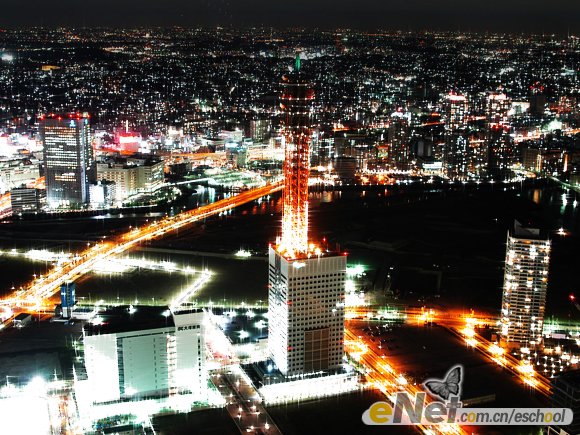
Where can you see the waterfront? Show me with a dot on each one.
(444, 245)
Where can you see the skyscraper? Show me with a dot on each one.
(456, 111)
(68, 159)
(524, 291)
(456, 140)
(457, 155)
(399, 148)
(306, 282)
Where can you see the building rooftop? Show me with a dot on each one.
(187, 310)
(128, 318)
(527, 231)
(314, 251)
(132, 161)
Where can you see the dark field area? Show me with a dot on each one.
(206, 422)
(440, 246)
(341, 415)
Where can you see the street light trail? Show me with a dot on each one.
(383, 376)
(463, 327)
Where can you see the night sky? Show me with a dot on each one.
(558, 16)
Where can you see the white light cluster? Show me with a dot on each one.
(190, 291)
(311, 388)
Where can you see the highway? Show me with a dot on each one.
(381, 375)
(36, 294)
(523, 370)
(462, 325)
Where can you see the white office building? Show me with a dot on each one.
(306, 312)
(143, 352)
(524, 290)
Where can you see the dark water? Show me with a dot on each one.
(440, 244)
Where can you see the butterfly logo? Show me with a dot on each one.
(451, 385)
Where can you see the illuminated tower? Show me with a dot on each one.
(295, 103)
(525, 283)
(306, 282)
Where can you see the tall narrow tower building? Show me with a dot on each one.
(306, 281)
(525, 284)
(68, 159)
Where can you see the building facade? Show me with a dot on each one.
(306, 312)
(68, 299)
(132, 176)
(456, 152)
(524, 289)
(68, 159)
(103, 193)
(143, 351)
(26, 200)
(15, 173)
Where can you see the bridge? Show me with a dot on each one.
(36, 294)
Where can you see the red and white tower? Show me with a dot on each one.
(296, 105)
(306, 283)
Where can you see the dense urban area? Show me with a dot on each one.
(221, 231)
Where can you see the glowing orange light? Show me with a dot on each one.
(296, 96)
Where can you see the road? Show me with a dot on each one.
(37, 293)
(381, 375)
(244, 403)
(463, 325)
(524, 371)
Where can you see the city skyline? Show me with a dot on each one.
(267, 231)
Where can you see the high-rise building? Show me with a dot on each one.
(306, 282)
(497, 108)
(68, 159)
(502, 152)
(399, 148)
(456, 153)
(144, 352)
(538, 99)
(259, 129)
(306, 311)
(456, 111)
(524, 289)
